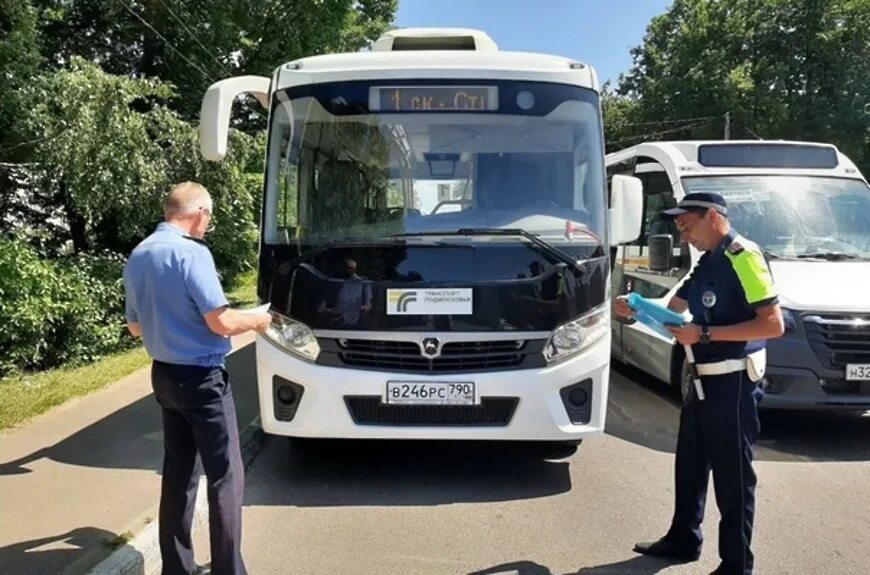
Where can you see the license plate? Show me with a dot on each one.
(430, 393)
(858, 372)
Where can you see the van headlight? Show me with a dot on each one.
(574, 336)
(294, 336)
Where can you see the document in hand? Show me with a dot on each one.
(653, 315)
(259, 309)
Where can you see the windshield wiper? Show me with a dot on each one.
(830, 256)
(541, 244)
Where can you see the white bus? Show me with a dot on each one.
(435, 241)
(808, 207)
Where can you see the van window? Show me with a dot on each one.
(658, 195)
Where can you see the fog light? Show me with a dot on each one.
(286, 394)
(576, 400)
(578, 396)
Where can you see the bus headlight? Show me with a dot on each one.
(294, 336)
(572, 337)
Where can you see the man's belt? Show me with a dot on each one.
(730, 365)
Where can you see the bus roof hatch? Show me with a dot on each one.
(435, 39)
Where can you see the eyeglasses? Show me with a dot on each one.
(207, 212)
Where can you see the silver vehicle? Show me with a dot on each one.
(808, 207)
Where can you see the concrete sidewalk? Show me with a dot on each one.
(75, 479)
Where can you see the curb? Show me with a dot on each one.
(141, 555)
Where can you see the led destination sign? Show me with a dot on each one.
(434, 98)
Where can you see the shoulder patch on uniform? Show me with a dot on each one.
(198, 240)
(735, 247)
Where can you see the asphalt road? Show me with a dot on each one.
(436, 507)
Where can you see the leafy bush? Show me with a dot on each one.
(57, 312)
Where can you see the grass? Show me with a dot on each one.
(245, 293)
(27, 395)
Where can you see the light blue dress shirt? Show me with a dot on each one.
(170, 283)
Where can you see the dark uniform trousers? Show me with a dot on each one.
(199, 415)
(718, 433)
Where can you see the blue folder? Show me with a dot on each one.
(653, 315)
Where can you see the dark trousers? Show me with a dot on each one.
(718, 433)
(199, 415)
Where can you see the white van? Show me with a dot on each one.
(808, 207)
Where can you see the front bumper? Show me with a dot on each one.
(540, 412)
(796, 379)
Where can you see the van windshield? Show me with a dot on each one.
(796, 217)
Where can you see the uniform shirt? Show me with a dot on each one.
(725, 288)
(170, 282)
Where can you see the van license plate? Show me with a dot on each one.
(858, 372)
(430, 393)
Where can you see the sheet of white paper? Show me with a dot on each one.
(259, 309)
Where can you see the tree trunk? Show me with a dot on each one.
(77, 224)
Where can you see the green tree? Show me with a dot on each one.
(192, 43)
(109, 149)
(619, 118)
(797, 69)
(19, 60)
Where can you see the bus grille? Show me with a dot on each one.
(492, 411)
(459, 356)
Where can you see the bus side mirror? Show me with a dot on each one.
(626, 209)
(217, 107)
(661, 250)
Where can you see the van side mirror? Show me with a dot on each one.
(661, 251)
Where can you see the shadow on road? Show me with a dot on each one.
(58, 553)
(640, 565)
(327, 473)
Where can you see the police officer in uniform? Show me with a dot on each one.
(175, 302)
(734, 308)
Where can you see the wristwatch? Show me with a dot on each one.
(705, 334)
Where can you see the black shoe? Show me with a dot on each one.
(668, 549)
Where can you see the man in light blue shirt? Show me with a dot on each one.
(175, 302)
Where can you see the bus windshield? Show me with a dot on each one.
(369, 160)
(796, 216)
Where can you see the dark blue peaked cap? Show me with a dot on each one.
(698, 201)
